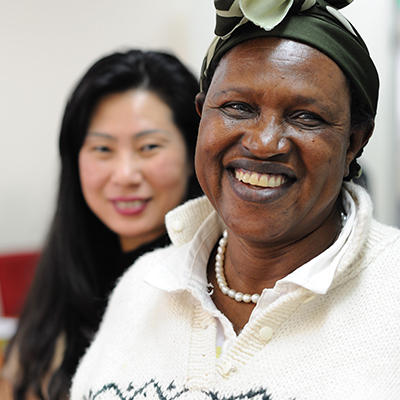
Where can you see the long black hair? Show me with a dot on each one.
(76, 271)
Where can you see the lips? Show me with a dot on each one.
(129, 206)
(260, 182)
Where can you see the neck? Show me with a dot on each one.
(252, 266)
(130, 243)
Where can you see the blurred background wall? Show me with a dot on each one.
(46, 45)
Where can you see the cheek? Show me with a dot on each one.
(168, 171)
(201, 160)
(212, 135)
(324, 154)
(337, 160)
(325, 165)
(92, 175)
(209, 151)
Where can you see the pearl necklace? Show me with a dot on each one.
(219, 270)
(221, 280)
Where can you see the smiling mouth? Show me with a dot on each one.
(125, 205)
(260, 180)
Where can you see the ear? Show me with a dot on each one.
(359, 138)
(199, 101)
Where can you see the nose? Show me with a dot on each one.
(267, 138)
(127, 170)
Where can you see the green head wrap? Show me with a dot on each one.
(313, 22)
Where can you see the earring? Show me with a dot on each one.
(358, 169)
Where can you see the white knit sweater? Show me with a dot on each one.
(155, 344)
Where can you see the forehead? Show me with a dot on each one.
(130, 110)
(249, 63)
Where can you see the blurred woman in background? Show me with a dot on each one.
(127, 144)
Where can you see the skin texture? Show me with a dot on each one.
(133, 165)
(287, 116)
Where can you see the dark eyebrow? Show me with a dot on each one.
(150, 131)
(324, 106)
(136, 135)
(103, 135)
(236, 90)
(305, 99)
(245, 90)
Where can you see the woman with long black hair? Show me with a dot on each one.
(127, 143)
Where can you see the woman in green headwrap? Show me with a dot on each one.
(279, 284)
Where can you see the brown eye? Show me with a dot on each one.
(238, 107)
(308, 119)
(102, 149)
(237, 110)
(149, 147)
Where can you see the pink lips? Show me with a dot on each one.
(129, 205)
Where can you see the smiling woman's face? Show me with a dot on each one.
(133, 165)
(275, 139)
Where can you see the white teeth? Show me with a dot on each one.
(263, 180)
(123, 205)
(253, 179)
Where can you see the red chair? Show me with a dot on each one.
(16, 274)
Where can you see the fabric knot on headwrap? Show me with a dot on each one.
(317, 23)
(265, 14)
